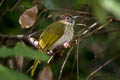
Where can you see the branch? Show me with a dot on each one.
(99, 68)
(25, 39)
(61, 70)
(69, 11)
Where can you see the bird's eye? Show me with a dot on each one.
(67, 18)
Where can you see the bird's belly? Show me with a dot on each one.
(67, 37)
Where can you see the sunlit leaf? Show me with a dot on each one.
(25, 51)
(28, 18)
(7, 74)
(111, 5)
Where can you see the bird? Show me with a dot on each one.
(58, 33)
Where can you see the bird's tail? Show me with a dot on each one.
(34, 67)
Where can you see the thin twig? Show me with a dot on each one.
(2, 2)
(86, 31)
(108, 31)
(77, 57)
(4, 13)
(100, 27)
(31, 30)
(50, 58)
(15, 5)
(34, 33)
(99, 68)
(86, 34)
(61, 70)
(70, 11)
(29, 69)
(14, 37)
(73, 64)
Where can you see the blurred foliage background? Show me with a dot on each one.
(94, 51)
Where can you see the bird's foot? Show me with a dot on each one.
(50, 52)
(66, 45)
(76, 41)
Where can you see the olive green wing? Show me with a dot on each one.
(53, 32)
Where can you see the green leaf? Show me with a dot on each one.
(111, 5)
(7, 74)
(82, 1)
(99, 11)
(49, 4)
(25, 3)
(25, 51)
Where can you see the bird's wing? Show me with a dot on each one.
(53, 32)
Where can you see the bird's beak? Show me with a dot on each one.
(74, 17)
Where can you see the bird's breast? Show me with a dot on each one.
(66, 37)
